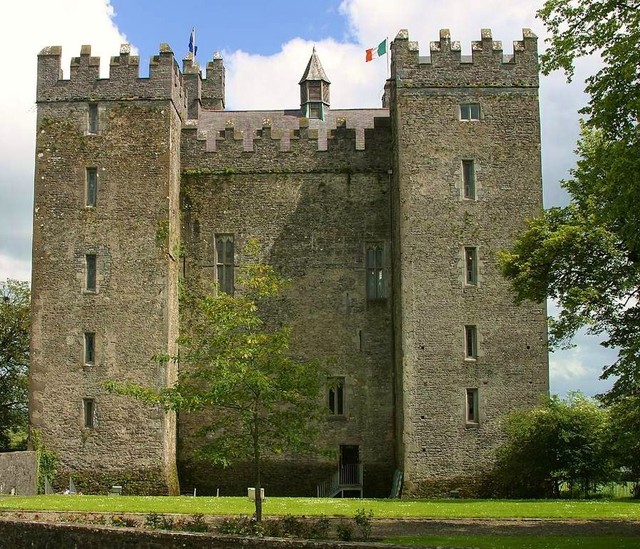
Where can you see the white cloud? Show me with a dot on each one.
(569, 368)
(372, 20)
(10, 267)
(258, 82)
(580, 367)
(29, 26)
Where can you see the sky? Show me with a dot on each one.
(265, 46)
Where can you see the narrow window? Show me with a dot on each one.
(90, 260)
(470, 111)
(92, 187)
(93, 118)
(89, 348)
(375, 272)
(88, 412)
(336, 396)
(471, 266)
(470, 342)
(224, 262)
(472, 406)
(468, 179)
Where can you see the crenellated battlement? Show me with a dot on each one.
(487, 66)
(124, 81)
(258, 138)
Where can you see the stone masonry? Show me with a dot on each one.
(387, 221)
(18, 473)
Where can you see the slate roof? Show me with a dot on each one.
(314, 70)
(283, 123)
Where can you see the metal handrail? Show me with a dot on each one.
(346, 476)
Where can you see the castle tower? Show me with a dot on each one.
(105, 266)
(314, 89)
(466, 176)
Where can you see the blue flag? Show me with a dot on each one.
(192, 42)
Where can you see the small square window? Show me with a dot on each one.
(375, 272)
(335, 396)
(90, 268)
(471, 266)
(89, 348)
(470, 111)
(91, 193)
(93, 118)
(88, 413)
(225, 263)
(470, 342)
(468, 179)
(472, 406)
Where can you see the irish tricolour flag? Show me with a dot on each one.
(372, 53)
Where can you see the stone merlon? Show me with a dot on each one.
(487, 66)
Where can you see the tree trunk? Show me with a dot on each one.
(256, 466)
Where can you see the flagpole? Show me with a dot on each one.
(388, 66)
(195, 48)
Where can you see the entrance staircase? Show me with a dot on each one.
(348, 478)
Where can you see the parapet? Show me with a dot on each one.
(357, 139)
(124, 82)
(204, 93)
(487, 66)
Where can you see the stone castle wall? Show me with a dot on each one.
(313, 215)
(18, 473)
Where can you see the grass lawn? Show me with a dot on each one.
(442, 509)
(521, 542)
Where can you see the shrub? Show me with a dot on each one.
(159, 522)
(344, 531)
(363, 520)
(319, 529)
(118, 520)
(297, 527)
(241, 526)
(272, 528)
(292, 527)
(195, 524)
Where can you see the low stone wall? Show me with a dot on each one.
(36, 535)
(18, 473)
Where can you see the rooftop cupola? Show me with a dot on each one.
(314, 89)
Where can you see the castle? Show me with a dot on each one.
(388, 222)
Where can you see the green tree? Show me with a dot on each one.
(624, 439)
(610, 28)
(233, 363)
(15, 299)
(560, 442)
(586, 256)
